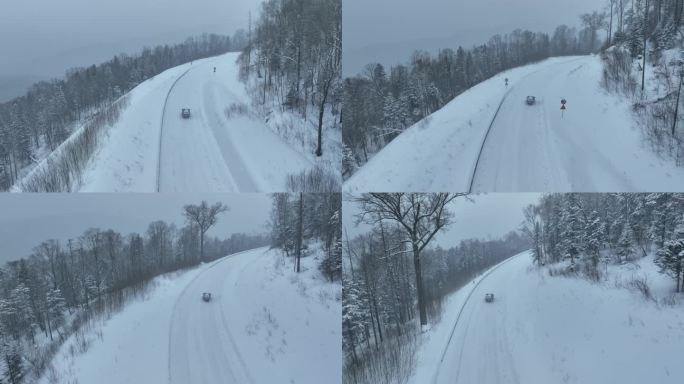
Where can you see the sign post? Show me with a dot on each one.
(563, 107)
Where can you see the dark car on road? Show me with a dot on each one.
(185, 113)
(530, 100)
(206, 296)
(489, 297)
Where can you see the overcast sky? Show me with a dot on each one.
(486, 216)
(29, 219)
(388, 31)
(43, 38)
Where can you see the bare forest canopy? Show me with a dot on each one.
(41, 120)
(644, 65)
(295, 54)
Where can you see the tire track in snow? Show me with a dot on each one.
(484, 140)
(161, 128)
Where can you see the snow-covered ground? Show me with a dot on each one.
(264, 324)
(151, 148)
(593, 146)
(543, 329)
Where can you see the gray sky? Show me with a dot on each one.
(29, 219)
(487, 216)
(43, 38)
(388, 31)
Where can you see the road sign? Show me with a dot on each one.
(563, 101)
(563, 107)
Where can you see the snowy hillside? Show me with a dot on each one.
(543, 329)
(593, 146)
(152, 148)
(264, 324)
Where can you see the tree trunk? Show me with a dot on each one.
(300, 231)
(419, 285)
(321, 112)
(643, 69)
(201, 246)
(610, 26)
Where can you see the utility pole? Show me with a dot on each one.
(643, 66)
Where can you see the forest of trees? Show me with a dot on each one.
(380, 315)
(591, 231)
(293, 60)
(60, 287)
(41, 120)
(380, 104)
(297, 219)
(639, 34)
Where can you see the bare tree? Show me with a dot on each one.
(594, 22)
(421, 215)
(204, 216)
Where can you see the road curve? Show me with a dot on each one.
(473, 352)
(202, 348)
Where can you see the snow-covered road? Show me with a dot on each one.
(536, 148)
(543, 329)
(265, 324)
(202, 348)
(153, 149)
(593, 147)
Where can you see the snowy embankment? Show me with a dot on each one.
(543, 329)
(593, 146)
(151, 148)
(264, 324)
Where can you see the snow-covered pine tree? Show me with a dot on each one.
(625, 246)
(670, 258)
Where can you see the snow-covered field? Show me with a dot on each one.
(543, 329)
(151, 148)
(265, 324)
(593, 146)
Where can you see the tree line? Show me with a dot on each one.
(390, 274)
(294, 58)
(49, 295)
(590, 231)
(41, 120)
(309, 217)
